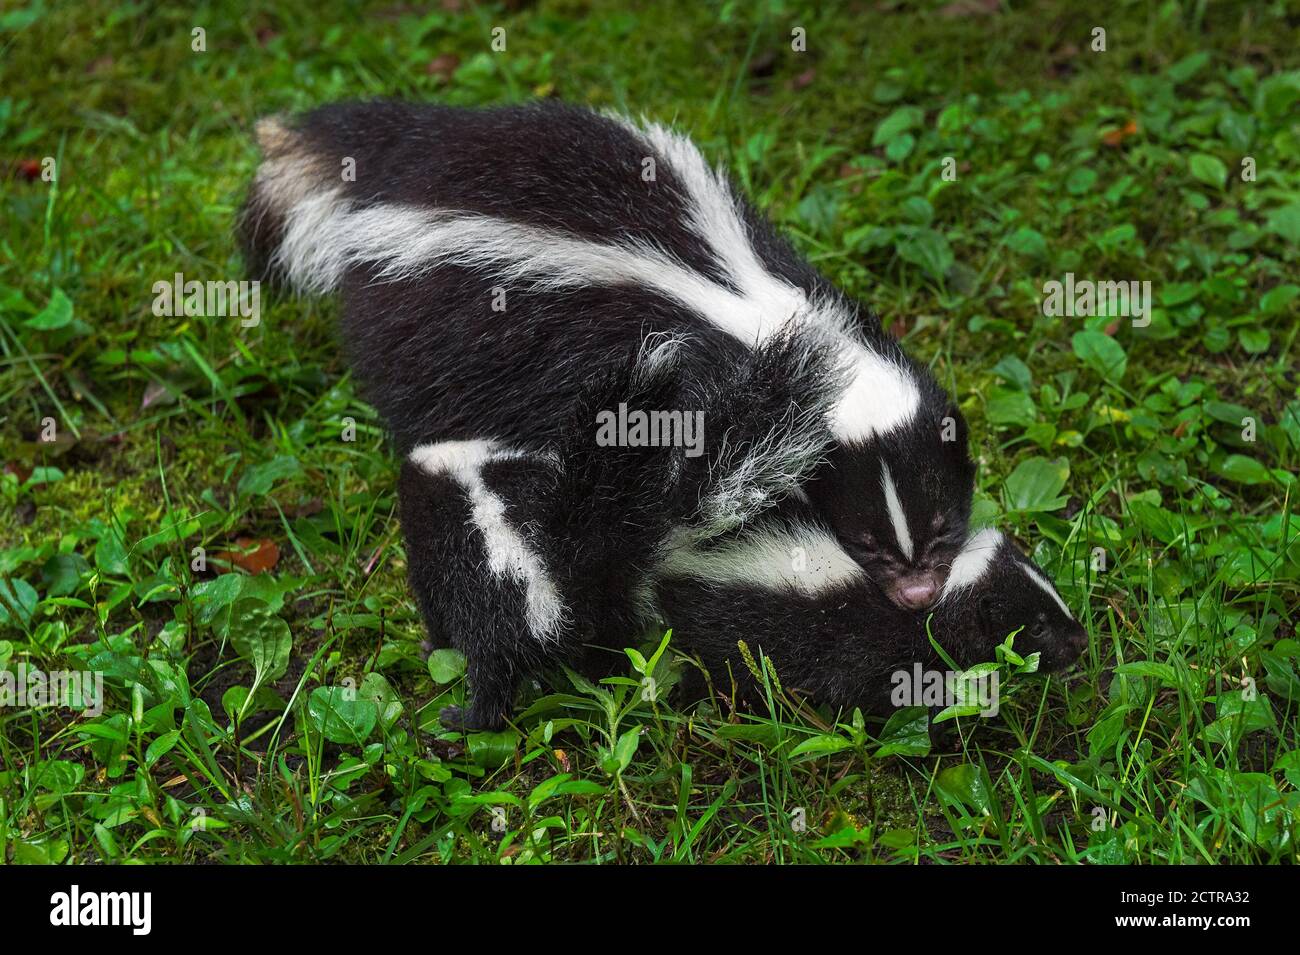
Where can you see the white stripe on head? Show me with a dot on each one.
(880, 396)
(1047, 587)
(313, 251)
(509, 555)
(971, 564)
(805, 559)
(894, 506)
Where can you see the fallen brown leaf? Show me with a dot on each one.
(443, 66)
(254, 556)
(18, 470)
(1116, 137)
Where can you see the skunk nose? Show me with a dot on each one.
(915, 592)
(1063, 651)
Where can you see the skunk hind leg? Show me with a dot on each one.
(479, 585)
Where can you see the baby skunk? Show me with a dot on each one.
(786, 587)
(491, 261)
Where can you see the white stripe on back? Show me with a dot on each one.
(795, 557)
(325, 233)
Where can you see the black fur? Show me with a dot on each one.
(440, 364)
(597, 518)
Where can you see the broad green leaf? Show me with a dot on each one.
(340, 716)
(388, 705)
(62, 574)
(1188, 66)
(1035, 485)
(821, 745)
(18, 600)
(907, 733)
(1014, 370)
(965, 784)
(1208, 169)
(625, 748)
(1277, 299)
(1080, 180)
(1285, 221)
(261, 638)
(58, 775)
(928, 249)
(446, 665)
(1101, 353)
(56, 314)
(1254, 341)
(1011, 407)
(110, 554)
(1243, 469)
(160, 747)
(1028, 242)
(491, 750)
(39, 851)
(234, 700)
(900, 147)
(259, 479)
(896, 123)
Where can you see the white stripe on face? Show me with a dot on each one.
(1047, 587)
(509, 555)
(970, 565)
(896, 516)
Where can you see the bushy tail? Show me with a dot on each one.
(290, 179)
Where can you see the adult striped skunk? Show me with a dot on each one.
(786, 587)
(493, 261)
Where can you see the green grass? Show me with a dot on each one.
(288, 716)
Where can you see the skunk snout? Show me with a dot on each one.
(915, 591)
(1076, 638)
(1065, 648)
